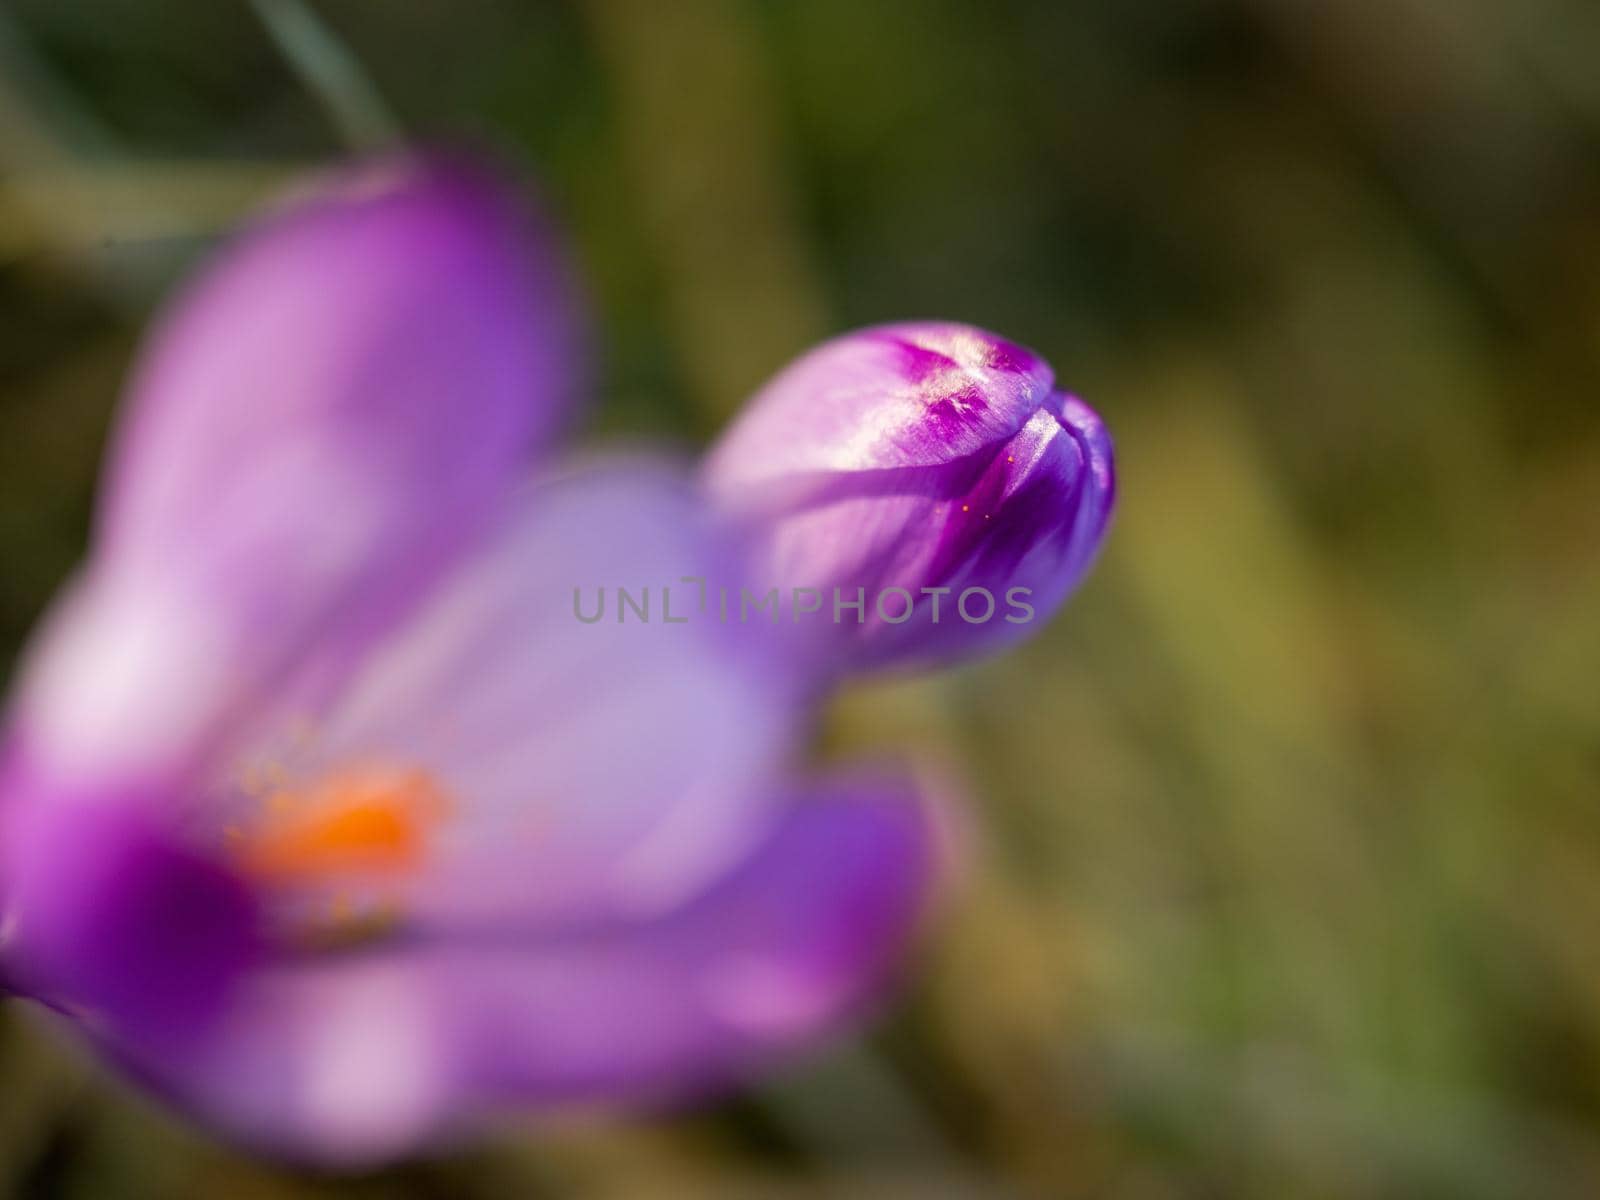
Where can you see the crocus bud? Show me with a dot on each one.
(921, 493)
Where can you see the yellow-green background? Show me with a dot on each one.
(1286, 879)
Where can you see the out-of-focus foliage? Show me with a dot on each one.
(1289, 842)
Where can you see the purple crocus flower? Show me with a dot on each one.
(319, 813)
(924, 485)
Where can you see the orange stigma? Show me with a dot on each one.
(360, 821)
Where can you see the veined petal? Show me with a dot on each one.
(1020, 523)
(908, 395)
(315, 427)
(1006, 545)
(356, 1059)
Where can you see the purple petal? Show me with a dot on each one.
(1022, 532)
(786, 949)
(895, 396)
(353, 1060)
(107, 916)
(316, 426)
(337, 1062)
(586, 767)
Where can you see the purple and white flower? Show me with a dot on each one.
(321, 816)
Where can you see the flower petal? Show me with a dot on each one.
(586, 767)
(1018, 532)
(908, 395)
(784, 950)
(104, 914)
(357, 1059)
(315, 427)
(1021, 523)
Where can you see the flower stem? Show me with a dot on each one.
(331, 72)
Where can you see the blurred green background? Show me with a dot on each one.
(1287, 860)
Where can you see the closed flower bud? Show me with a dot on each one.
(921, 493)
